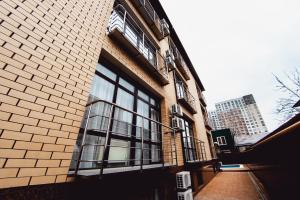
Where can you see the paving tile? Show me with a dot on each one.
(229, 186)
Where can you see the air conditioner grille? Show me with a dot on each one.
(183, 180)
(187, 195)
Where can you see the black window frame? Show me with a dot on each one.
(131, 139)
(186, 149)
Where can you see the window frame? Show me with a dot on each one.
(186, 149)
(223, 142)
(130, 138)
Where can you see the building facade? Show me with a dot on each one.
(214, 120)
(241, 115)
(225, 140)
(98, 89)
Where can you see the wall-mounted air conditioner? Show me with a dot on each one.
(177, 123)
(165, 27)
(187, 195)
(183, 180)
(176, 110)
(170, 63)
(170, 54)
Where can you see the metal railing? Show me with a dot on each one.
(122, 21)
(180, 63)
(194, 149)
(107, 134)
(184, 94)
(202, 98)
(151, 13)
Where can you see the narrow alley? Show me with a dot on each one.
(233, 185)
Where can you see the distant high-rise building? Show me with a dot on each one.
(214, 120)
(241, 115)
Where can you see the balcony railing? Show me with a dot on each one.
(124, 28)
(185, 97)
(194, 149)
(109, 142)
(147, 11)
(207, 123)
(179, 61)
(202, 99)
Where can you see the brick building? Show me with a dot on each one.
(87, 89)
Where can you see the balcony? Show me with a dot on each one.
(208, 126)
(179, 61)
(202, 99)
(207, 123)
(194, 150)
(126, 31)
(108, 143)
(152, 19)
(185, 97)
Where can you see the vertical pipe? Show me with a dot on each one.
(171, 149)
(204, 152)
(197, 153)
(83, 141)
(162, 147)
(106, 139)
(142, 145)
(157, 62)
(174, 137)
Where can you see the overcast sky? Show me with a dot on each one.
(236, 45)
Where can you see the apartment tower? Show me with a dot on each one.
(241, 115)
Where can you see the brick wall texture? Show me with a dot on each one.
(48, 54)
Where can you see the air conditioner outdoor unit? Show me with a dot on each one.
(183, 180)
(176, 110)
(165, 27)
(187, 195)
(170, 54)
(177, 123)
(170, 63)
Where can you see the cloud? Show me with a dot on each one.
(236, 45)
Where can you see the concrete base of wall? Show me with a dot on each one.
(136, 186)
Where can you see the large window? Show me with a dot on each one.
(189, 145)
(181, 88)
(127, 130)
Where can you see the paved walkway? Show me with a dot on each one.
(230, 186)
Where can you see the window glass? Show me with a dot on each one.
(155, 127)
(146, 155)
(155, 153)
(132, 35)
(223, 140)
(143, 95)
(98, 120)
(126, 85)
(102, 89)
(142, 109)
(106, 72)
(152, 101)
(92, 152)
(180, 90)
(119, 151)
(123, 119)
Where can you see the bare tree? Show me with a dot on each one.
(290, 87)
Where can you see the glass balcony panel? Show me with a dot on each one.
(139, 43)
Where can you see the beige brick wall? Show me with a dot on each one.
(48, 54)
